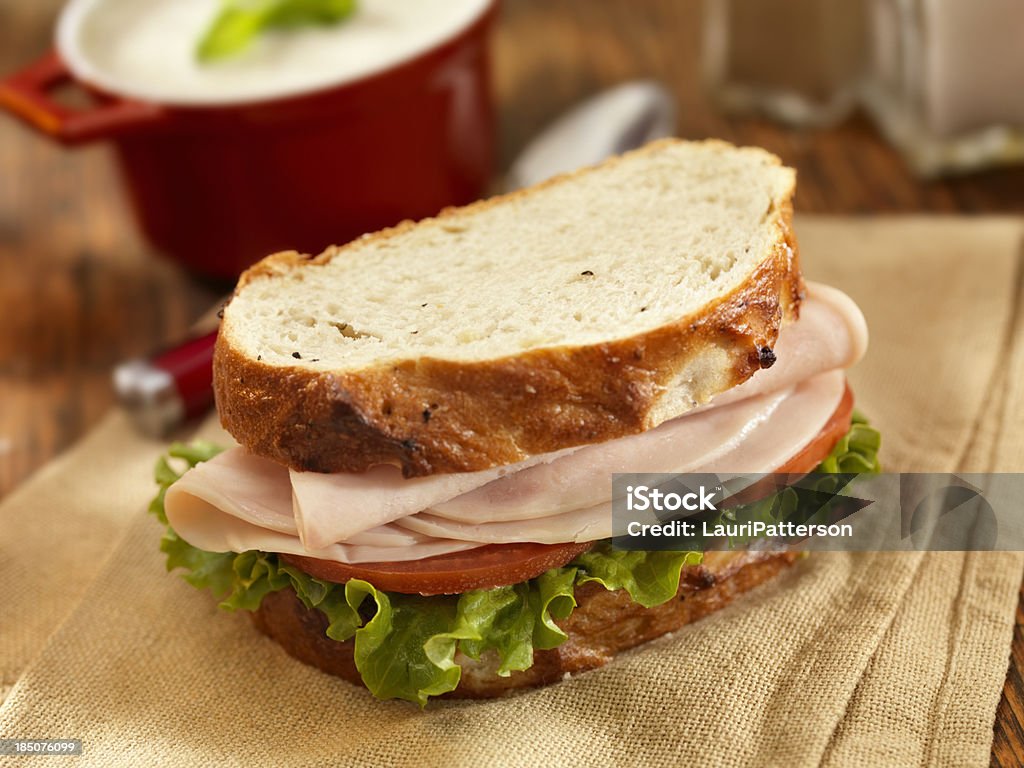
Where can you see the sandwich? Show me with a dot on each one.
(429, 417)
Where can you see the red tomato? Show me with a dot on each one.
(485, 567)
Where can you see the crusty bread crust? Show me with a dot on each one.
(603, 624)
(439, 416)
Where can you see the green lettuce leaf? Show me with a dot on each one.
(406, 645)
(391, 648)
(857, 451)
(553, 599)
(650, 578)
(498, 619)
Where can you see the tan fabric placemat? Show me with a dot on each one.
(58, 529)
(848, 659)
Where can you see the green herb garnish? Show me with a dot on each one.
(240, 21)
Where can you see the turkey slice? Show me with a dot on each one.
(791, 426)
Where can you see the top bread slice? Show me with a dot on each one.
(592, 306)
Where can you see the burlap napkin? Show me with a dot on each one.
(848, 659)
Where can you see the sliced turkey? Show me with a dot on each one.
(768, 445)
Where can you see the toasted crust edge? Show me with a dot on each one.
(603, 624)
(500, 411)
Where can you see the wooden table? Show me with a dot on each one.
(80, 291)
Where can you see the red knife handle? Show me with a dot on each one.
(161, 392)
(191, 366)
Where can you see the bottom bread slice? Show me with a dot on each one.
(603, 624)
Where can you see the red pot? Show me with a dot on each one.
(217, 187)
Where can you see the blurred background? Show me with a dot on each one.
(81, 290)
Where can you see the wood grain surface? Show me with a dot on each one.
(80, 291)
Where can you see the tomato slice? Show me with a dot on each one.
(485, 567)
(495, 565)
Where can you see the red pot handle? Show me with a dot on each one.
(26, 94)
